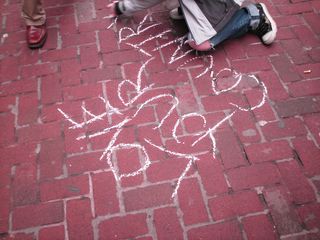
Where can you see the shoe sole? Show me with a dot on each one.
(40, 44)
(269, 37)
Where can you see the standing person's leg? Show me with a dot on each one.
(128, 7)
(35, 19)
(33, 12)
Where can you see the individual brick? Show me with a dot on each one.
(295, 8)
(51, 159)
(263, 174)
(118, 57)
(288, 127)
(18, 154)
(108, 41)
(167, 169)
(70, 75)
(79, 219)
(269, 151)
(24, 184)
(28, 109)
(306, 36)
(312, 19)
(191, 202)
(212, 176)
(89, 56)
(222, 101)
(187, 101)
(11, 71)
(37, 215)
(59, 54)
(4, 209)
(98, 75)
(261, 113)
(52, 233)
(285, 218)
(251, 64)
(78, 39)
(226, 230)
(285, 68)
(296, 51)
(313, 123)
(276, 90)
(146, 197)
(297, 183)
(231, 157)
(167, 224)
(39, 70)
(245, 126)
(85, 163)
(125, 227)
(82, 91)
(310, 215)
(51, 89)
(309, 155)
(259, 228)
(298, 106)
(169, 78)
(39, 132)
(64, 188)
(7, 129)
(260, 50)
(105, 193)
(18, 87)
(236, 204)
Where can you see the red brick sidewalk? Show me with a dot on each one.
(183, 156)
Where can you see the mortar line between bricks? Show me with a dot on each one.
(180, 216)
(195, 92)
(204, 196)
(309, 133)
(66, 235)
(35, 229)
(314, 189)
(101, 218)
(91, 196)
(149, 184)
(304, 232)
(243, 232)
(264, 212)
(150, 221)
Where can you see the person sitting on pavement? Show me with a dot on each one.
(35, 20)
(211, 22)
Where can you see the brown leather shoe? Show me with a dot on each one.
(36, 36)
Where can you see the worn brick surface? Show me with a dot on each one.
(154, 142)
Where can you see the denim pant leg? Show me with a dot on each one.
(238, 25)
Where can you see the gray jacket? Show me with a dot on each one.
(206, 17)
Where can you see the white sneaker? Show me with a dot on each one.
(267, 28)
(176, 14)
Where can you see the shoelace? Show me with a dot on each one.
(262, 29)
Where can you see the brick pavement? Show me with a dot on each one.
(182, 156)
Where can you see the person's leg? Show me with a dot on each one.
(128, 7)
(33, 12)
(253, 18)
(35, 19)
(238, 25)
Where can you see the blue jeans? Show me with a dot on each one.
(242, 22)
